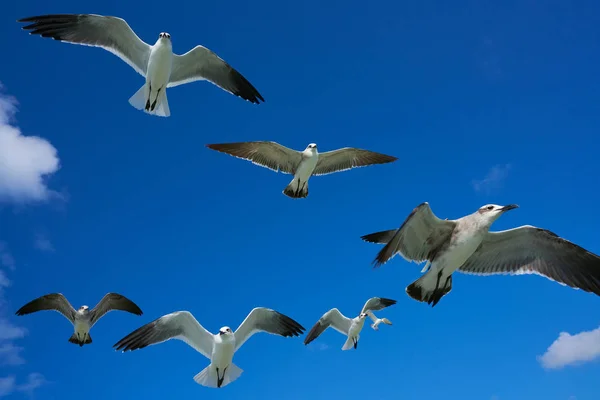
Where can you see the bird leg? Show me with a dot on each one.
(220, 380)
(155, 100)
(148, 100)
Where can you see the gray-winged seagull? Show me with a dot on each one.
(82, 319)
(467, 245)
(350, 327)
(301, 164)
(219, 348)
(156, 63)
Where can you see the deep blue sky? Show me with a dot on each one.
(453, 90)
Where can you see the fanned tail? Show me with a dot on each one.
(296, 189)
(210, 378)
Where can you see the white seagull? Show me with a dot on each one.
(219, 348)
(467, 245)
(82, 319)
(350, 327)
(301, 164)
(157, 63)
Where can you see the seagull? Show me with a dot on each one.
(82, 319)
(467, 245)
(157, 63)
(350, 327)
(219, 348)
(301, 164)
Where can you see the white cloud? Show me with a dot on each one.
(42, 243)
(11, 354)
(25, 161)
(493, 180)
(8, 385)
(6, 259)
(572, 349)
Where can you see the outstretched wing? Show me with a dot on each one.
(347, 158)
(531, 250)
(377, 303)
(333, 318)
(179, 325)
(266, 320)
(110, 33)
(266, 154)
(52, 301)
(113, 301)
(202, 64)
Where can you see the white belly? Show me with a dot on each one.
(460, 252)
(159, 67)
(355, 328)
(306, 168)
(222, 354)
(82, 328)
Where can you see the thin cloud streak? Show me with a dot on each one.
(493, 180)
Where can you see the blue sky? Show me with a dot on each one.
(481, 101)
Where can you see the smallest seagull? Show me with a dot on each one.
(82, 319)
(301, 164)
(350, 327)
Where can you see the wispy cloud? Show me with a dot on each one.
(42, 243)
(25, 161)
(493, 180)
(6, 259)
(318, 346)
(8, 385)
(572, 349)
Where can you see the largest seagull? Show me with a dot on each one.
(467, 245)
(219, 348)
(301, 164)
(83, 318)
(157, 63)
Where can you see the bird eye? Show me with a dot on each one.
(490, 207)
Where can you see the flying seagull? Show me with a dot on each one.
(467, 245)
(219, 348)
(350, 327)
(82, 319)
(301, 164)
(157, 63)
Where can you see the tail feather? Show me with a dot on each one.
(208, 376)
(351, 343)
(296, 189)
(424, 288)
(141, 99)
(75, 340)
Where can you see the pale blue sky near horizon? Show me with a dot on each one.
(481, 101)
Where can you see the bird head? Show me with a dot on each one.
(164, 36)
(225, 331)
(362, 315)
(84, 308)
(311, 147)
(492, 211)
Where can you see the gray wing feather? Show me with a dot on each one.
(180, 325)
(110, 33)
(266, 154)
(110, 302)
(377, 303)
(347, 158)
(202, 64)
(419, 238)
(382, 237)
(52, 301)
(266, 320)
(531, 250)
(333, 318)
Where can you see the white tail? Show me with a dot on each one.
(208, 376)
(350, 343)
(140, 99)
(296, 189)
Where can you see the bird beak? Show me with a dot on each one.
(221, 333)
(509, 207)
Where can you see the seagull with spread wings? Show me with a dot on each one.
(301, 164)
(157, 63)
(219, 348)
(82, 319)
(350, 327)
(466, 244)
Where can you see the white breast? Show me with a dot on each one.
(159, 65)
(307, 166)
